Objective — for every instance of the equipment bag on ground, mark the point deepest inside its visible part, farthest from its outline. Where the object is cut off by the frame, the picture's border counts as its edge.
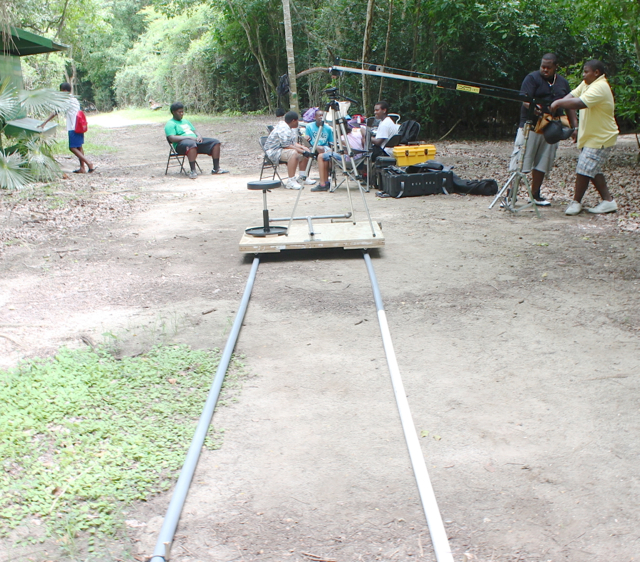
(397, 183)
(458, 185)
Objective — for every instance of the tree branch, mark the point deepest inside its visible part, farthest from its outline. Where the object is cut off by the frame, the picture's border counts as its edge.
(312, 71)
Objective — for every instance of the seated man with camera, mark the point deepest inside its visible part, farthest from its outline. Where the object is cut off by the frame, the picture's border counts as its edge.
(282, 146)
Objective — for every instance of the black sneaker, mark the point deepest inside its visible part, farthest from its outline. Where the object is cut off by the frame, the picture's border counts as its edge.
(321, 187)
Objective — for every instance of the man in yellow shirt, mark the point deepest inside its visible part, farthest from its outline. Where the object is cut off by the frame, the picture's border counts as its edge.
(597, 135)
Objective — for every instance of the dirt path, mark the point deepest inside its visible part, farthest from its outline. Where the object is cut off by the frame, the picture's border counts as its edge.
(517, 339)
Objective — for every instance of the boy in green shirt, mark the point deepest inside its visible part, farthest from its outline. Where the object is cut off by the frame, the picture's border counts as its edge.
(182, 134)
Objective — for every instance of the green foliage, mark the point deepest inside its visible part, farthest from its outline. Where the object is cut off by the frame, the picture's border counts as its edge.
(14, 171)
(83, 434)
(181, 58)
(227, 55)
(611, 30)
(39, 153)
(43, 71)
(29, 159)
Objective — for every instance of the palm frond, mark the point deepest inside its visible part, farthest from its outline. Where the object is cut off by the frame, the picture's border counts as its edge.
(9, 101)
(13, 171)
(44, 100)
(41, 162)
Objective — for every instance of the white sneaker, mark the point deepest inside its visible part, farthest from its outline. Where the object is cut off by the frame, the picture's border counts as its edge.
(573, 209)
(291, 183)
(305, 181)
(604, 207)
(542, 202)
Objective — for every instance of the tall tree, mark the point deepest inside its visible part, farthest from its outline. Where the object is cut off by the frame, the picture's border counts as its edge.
(366, 53)
(291, 60)
(386, 45)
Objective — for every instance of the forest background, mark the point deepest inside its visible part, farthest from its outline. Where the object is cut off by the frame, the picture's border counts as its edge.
(228, 55)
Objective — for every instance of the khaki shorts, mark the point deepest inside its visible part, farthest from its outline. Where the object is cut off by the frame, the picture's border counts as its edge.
(287, 153)
(539, 155)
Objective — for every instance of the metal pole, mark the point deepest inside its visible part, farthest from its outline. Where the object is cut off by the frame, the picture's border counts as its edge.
(314, 217)
(437, 531)
(167, 532)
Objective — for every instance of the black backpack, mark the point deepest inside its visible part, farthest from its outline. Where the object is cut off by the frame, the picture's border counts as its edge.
(408, 132)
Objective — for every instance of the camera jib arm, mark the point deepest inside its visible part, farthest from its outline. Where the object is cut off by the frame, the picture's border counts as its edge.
(443, 82)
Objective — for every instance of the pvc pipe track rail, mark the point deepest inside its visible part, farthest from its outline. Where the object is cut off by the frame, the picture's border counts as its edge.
(427, 496)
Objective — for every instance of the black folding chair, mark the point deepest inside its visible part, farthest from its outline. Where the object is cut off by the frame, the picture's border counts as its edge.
(174, 160)
(266, 161)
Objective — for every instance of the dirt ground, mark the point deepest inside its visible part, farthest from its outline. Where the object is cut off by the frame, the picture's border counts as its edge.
(517, 339)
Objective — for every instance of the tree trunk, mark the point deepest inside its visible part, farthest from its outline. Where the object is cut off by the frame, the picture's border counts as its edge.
(414, 52)
(291, 61)
(386, 46)
(5, 22)
(366, 53)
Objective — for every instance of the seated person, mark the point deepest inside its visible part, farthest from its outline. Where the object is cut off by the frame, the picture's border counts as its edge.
(325, 132)
(354, 135)
(282, 146)
(182, 134)
(386, 130)
(355, 141)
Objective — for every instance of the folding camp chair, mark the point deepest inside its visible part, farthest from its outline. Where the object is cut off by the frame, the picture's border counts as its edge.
(359, 158)
(174, 160)
(266, 161)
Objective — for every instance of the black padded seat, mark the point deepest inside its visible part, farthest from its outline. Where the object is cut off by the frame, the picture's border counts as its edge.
(266, 229)
(263, 185)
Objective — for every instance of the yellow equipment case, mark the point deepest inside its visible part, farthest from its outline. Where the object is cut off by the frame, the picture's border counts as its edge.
(409, 154)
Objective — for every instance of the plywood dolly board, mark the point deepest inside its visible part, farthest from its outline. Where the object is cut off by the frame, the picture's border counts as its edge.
(326, 235)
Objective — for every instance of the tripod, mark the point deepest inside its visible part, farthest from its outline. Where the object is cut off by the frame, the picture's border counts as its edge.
(509, 191)
(343, 150)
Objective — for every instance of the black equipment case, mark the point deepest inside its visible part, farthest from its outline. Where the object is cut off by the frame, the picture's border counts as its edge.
(380, 164)
(397, 183)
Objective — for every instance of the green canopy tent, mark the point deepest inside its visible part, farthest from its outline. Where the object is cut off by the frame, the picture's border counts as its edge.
(21, 43)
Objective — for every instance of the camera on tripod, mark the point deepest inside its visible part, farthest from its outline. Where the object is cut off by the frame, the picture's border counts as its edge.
(332, 93)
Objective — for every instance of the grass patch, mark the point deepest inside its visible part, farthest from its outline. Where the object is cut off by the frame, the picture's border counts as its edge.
(162, 116)
(61, 148)
(83, 434)
(97, 149)
(143, 114)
